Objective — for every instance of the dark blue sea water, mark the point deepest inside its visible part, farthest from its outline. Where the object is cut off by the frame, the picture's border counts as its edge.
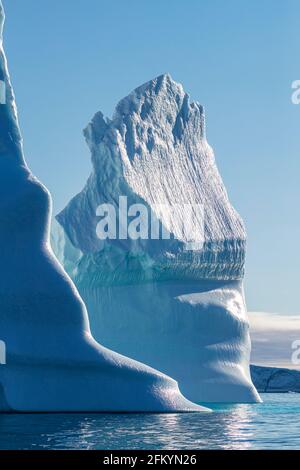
(274, 424)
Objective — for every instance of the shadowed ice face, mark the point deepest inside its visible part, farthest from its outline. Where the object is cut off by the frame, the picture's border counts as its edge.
(10, 137)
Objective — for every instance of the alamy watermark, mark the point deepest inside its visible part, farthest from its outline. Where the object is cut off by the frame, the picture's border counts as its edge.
(183, 222)
(2, 92)
(296, 93)
(295, 358)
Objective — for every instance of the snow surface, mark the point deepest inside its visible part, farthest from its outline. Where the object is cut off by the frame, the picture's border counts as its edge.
(179, 310)
(53, 362)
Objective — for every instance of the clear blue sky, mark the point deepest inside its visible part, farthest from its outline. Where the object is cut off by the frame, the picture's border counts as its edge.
(71, 58)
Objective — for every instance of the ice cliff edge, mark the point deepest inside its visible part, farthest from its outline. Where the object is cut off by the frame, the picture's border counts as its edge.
(174, 302)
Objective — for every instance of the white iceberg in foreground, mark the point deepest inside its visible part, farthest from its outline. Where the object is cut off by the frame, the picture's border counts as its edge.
(53, 363)
(176, 304)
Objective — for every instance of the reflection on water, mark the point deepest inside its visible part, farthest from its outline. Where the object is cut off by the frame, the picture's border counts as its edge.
(273, 424)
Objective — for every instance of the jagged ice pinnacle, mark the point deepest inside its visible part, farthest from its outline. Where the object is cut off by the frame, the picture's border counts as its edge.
(178, 309)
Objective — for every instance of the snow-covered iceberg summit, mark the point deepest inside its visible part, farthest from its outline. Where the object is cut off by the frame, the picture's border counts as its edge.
(175, 302)
(52, 361)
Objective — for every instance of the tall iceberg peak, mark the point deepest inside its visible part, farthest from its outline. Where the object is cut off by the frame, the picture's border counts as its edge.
(162, 103)
(155, 152)
(52, 361)
(176, 302)
(11, 140)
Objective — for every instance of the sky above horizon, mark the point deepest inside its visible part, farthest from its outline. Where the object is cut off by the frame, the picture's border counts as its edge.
(70, 59)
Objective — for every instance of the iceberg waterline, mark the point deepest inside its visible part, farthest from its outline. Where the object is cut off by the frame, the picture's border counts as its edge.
(52, 361)
(179, 310)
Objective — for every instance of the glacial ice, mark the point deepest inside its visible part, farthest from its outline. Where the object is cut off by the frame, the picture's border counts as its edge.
(52, 361)
(275, 379)
(176, 304)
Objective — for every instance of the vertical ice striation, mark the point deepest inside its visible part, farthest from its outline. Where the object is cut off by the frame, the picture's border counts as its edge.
(175, 304)
(52, 361)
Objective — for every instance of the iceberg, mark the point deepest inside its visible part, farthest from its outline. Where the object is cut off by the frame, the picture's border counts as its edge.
(161, 275)
(52, 361)
(275, 379)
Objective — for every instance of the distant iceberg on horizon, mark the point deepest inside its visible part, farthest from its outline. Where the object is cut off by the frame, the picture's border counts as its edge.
(53, 364)
(175, 303)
